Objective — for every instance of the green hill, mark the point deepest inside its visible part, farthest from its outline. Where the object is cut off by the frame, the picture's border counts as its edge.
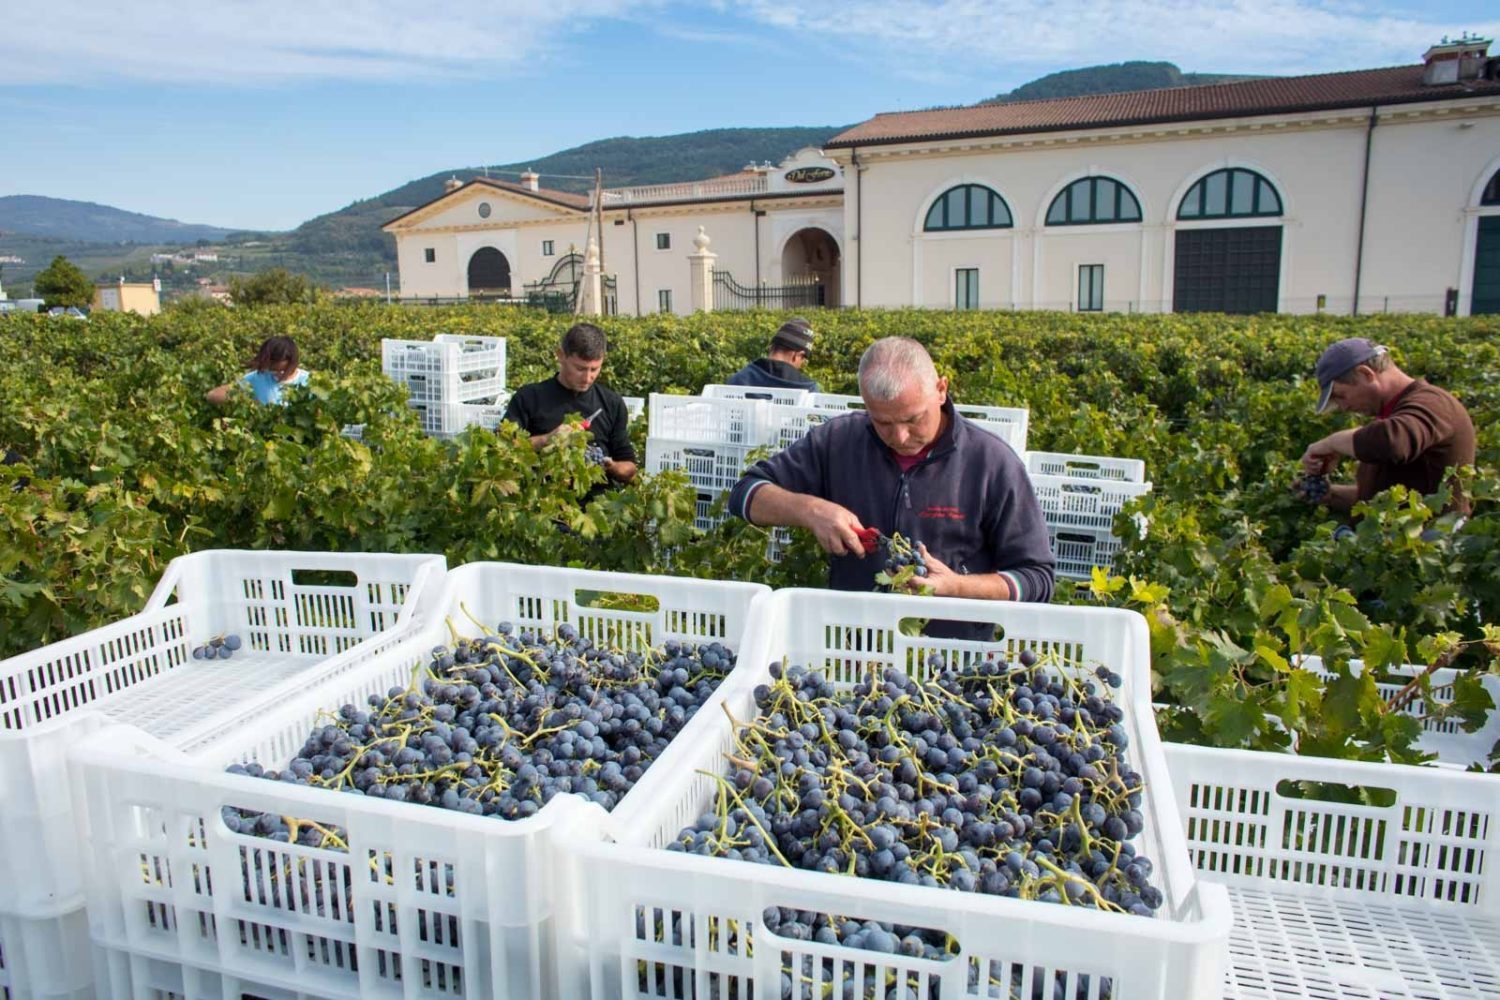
(1113, 79)
(63, 219)
(626, 161)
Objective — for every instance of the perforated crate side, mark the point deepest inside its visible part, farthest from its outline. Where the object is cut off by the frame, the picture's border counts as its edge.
(1069, 502)
(1346, 878)
(711, 468)
(771, 394)
(739, 422)
(1051, 463)
(1444, 737)
(301, 616)
(654, 923)
(1079, 550)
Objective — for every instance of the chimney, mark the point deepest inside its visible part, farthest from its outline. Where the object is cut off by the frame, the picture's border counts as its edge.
(529, 179)
(452, 184)
(1456, 61)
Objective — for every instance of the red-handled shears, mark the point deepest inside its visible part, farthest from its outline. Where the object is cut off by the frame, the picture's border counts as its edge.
(869, 538)
(590, 418)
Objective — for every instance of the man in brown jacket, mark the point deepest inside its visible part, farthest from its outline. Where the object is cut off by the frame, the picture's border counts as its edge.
(1419, 433)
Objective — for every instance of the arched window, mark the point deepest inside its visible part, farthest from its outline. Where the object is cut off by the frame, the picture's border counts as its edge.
(1233, 192)
(1491, 194)
(1093, 200)
(968, 206)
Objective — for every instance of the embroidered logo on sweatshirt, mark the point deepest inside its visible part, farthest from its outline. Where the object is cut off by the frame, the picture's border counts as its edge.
(943, 513)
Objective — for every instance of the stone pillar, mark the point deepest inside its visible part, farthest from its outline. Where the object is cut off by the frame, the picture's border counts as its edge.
(590, 295)
(701, 265)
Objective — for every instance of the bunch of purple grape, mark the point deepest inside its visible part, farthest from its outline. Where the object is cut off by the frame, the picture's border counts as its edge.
(595, 453)
(220, 647)
(1311, 489)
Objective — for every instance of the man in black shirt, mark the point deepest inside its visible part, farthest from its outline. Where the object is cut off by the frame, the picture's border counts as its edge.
(541, 407)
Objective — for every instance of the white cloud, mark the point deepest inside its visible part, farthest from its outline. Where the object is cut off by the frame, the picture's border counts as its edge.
(272, 41)
(1017, 39)
(279, 41)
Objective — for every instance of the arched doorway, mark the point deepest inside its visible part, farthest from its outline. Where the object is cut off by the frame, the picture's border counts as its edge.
(489, 274)
(812, 254)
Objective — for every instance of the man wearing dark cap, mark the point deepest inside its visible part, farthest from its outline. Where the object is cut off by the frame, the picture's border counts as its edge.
(782, 369)
(1419, 433)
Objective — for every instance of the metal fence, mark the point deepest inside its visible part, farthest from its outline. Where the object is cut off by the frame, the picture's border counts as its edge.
(795, 294)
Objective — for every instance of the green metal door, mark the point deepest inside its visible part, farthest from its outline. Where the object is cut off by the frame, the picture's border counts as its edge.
(1487, 267)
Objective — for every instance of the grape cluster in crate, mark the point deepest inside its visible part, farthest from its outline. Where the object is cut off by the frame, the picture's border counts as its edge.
(997, 779)
(500, 724)
(220, 647)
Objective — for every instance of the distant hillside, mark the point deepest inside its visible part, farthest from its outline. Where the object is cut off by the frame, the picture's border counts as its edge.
(59, 218)
(1114, 79)
(626, 160)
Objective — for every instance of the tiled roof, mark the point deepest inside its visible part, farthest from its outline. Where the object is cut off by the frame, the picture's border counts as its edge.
(568, 198)
(1277, 95)
(565, 199)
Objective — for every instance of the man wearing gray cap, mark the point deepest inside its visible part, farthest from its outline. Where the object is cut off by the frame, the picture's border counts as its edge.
(782, 368)
(1419, 433)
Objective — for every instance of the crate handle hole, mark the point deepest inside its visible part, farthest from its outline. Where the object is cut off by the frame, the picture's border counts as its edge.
(617, 600)
(325, 578)
(1330, 791)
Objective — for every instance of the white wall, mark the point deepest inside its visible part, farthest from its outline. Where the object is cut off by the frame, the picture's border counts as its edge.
(1419, 230)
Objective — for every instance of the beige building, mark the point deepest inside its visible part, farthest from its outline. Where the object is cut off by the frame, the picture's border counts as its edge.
(143, 298)
(769, 226)
(1365, 191)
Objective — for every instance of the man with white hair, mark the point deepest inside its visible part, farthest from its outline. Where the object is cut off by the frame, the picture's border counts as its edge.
(909, 463)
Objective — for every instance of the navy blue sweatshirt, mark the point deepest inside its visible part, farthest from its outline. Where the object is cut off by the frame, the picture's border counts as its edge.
(764, 373)
(969, 500)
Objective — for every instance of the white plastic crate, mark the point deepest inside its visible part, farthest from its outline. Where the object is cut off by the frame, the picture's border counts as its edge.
(125, 975)
(790, 424)
(447, 369)
(1009, 423)
(46, 958)
(1394, 895)
(720, 947)
(467, 904)
(635, 406)
(299, 615)
(739, 422)
(446, 420)
(1080, 515)
(1079, 550)
(1072, 502)
(1447, 739)
(711, 468)
(1052, 463)
(771, 394)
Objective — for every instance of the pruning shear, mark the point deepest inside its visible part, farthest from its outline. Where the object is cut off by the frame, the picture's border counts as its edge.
(590, 418)
(869, 538)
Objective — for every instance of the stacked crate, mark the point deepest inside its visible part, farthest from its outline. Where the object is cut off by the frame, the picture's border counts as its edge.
(453, 382)
(710, 438)
(302, 617)
(1080, 496)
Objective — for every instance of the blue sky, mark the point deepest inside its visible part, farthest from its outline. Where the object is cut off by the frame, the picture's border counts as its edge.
(262, 114)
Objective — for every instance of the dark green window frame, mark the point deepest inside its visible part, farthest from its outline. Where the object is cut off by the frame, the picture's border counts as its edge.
(1094, 201)
(968, 206)
(1491, 194)
(1230, 193)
